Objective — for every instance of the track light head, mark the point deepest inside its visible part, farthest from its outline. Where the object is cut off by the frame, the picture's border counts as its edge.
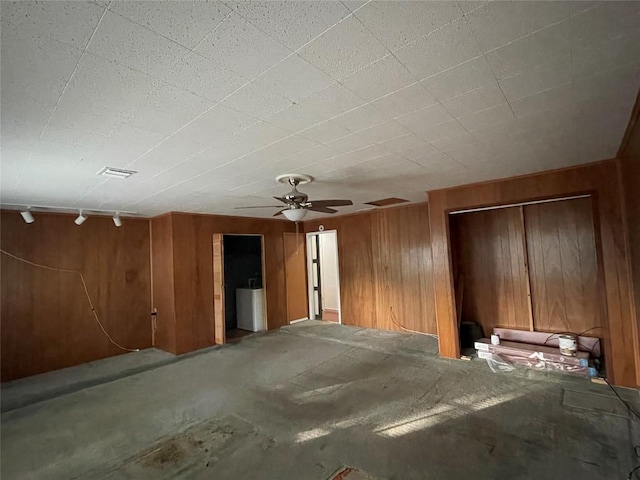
(117, 221)
(81, 219)
(27, 216)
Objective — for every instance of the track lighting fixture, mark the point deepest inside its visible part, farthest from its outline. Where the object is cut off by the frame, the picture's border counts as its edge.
(27, 216)
(117, 221)
(81, 219)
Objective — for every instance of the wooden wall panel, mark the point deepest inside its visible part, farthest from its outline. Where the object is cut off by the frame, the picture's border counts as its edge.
(355, 258)
(193, 272)
(600, 180)
(563, 266)
(629, 175)
(296, 276)
(164, 336)
(385, 261)
(46, 320)
(490, 258)
(402, 263)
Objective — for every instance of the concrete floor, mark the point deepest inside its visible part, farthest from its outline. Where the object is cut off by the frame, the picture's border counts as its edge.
(305, 401)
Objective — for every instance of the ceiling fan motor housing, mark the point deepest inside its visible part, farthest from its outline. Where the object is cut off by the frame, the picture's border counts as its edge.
(296, 197)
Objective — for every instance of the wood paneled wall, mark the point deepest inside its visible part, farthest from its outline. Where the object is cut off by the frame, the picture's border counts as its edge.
(629, 174)
(385, 263)
(163, 291)
(489, 256)
(355, 259)
(191, 240)
(46, 320)
(531, 267)
(563, 267)
(402, 265)
(601, 181)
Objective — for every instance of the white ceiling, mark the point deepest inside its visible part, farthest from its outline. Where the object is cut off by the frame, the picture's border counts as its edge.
(209, 101)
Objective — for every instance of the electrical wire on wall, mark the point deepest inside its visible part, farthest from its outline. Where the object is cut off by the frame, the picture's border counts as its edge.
(86, 291)
(401, 327)
(576, 334)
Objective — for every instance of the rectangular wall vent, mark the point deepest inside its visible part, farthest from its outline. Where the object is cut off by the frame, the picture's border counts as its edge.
(385, 202)
(112, 172)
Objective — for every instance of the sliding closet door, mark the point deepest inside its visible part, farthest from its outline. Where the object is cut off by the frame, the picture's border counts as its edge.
(563, 266)
(489, 264)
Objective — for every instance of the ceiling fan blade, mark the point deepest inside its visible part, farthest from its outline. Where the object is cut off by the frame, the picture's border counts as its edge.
(279, 212)
(259, 206)
(322, 209)
(283, 200)
(330, 203)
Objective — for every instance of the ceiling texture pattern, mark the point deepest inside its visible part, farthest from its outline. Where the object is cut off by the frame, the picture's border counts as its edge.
(209, 101)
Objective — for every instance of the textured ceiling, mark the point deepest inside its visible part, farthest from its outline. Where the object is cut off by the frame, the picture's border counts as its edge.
(209, 101)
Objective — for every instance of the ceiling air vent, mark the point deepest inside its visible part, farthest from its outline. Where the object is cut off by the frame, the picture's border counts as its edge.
(385, 202)
(115, 172)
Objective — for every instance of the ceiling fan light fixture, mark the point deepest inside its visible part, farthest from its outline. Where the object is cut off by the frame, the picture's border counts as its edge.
(295, 214)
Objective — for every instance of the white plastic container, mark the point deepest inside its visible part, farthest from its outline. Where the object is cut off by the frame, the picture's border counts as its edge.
(249, 309)
(495, 339)
(568, 345)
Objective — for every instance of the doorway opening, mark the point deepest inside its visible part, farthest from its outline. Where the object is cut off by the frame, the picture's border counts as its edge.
(323, 276)
(239, 300)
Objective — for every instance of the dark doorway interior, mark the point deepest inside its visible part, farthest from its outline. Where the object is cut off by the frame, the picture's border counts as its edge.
(242, 270)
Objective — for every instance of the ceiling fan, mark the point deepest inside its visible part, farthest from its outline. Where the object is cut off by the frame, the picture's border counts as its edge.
(297, 203)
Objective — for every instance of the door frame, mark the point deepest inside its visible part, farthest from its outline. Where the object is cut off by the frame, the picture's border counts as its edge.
(286, 276)
(218, 285)
(310, 271)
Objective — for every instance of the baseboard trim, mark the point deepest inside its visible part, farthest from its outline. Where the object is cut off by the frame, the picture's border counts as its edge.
(298, 320)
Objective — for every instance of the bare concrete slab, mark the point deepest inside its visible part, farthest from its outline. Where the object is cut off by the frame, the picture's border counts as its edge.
(37, 388)
(295, 404)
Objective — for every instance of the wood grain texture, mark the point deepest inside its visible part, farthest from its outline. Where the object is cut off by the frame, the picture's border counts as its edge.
(193, 273)
(219, 324)
(295, 276)
(563, 266)
(402, 265)
(385, 261)
(162, 282)
(355, 259)
(629, 175)
(526, 268)
(599, 180)
(489, 254)
(46, 320)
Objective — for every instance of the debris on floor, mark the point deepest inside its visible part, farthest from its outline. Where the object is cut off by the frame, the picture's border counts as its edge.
(538, 357)
(350, 473)
(584, 344)
(195, 449)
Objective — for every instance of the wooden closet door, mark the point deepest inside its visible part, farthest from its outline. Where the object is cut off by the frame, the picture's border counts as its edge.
(563, 266)
(489, 262)
(295, 276)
